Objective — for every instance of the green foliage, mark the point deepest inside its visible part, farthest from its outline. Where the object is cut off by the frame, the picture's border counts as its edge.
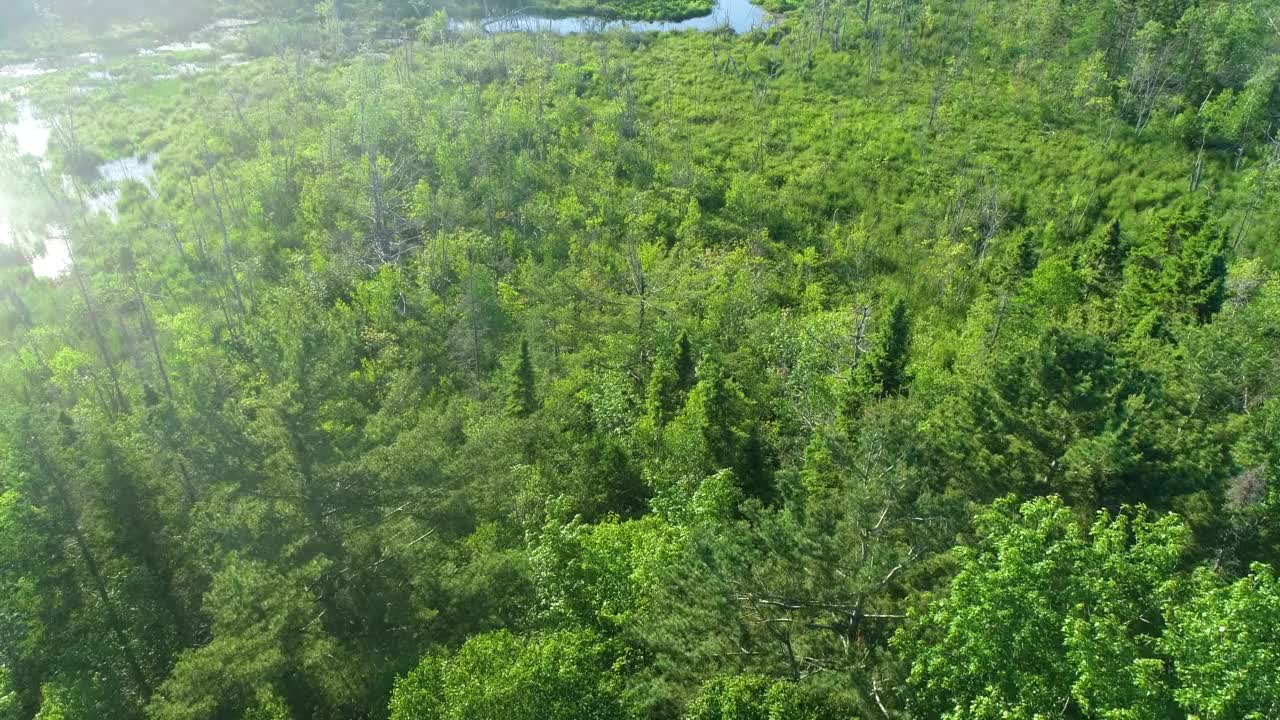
(1223, 642)
(641, 375)
(269, 648)
(1071, 415)
(602, 575)
(670, 381)
(522, 400)
(556, 676)
(8, 701)
(882, 372)
(1180, 270)
(1041, 615)
(753, 697)
(1102, 258)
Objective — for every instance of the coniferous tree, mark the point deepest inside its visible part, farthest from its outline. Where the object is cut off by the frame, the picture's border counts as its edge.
(720, 402)
(1102, 260)
(685, 370)
(819, 474)
(1177, 274)
(670, 382)
(1196, 277)
(882, 371)
(521, 397)
(662, 399)
(1019, 260)
(260, 479)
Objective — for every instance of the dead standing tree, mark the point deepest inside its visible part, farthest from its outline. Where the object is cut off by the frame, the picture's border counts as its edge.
(1154, 71)
(118, 403)
(825, 599)
(226, 247)
(1264, 185)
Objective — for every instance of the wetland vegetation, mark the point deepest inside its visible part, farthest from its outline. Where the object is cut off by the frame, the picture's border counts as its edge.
(885, 359)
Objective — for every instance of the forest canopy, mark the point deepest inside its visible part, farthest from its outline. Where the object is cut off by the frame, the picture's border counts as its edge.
(887, 360)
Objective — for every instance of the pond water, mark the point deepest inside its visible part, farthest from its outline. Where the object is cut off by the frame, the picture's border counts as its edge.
(46, 245)
(30, 135)
(18, 71)
(178, 47)
(181, 70)
(36, 68)
(56, 258)
(741, 16)
(226, 25)
(116, 173)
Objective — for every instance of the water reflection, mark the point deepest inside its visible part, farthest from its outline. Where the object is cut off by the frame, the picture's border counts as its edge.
(116, 173)
(19, 71)
(47, 242)
(48, 250)
(36, 68)
(228, 24)
(55, 261)
(738, 15)
(178, 47)
(30, 133)
(180, 70)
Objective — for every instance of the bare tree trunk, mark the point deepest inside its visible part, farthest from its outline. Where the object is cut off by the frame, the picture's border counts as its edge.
(473, 310)
(149, 329)
(641, 286)
(226, 248)
(1198, 168)
(1260, 191)
(860, 336)
(935, 99)
(995, 330)
(195, 226)
(94, 570)
(119, 405)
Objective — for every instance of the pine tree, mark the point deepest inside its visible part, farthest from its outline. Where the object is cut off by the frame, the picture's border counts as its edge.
(1102, 260)
(721, 403)
(752, 467)
(818, 474)
(521, 400)
(1179, 271)
(684, 365)
(1196, 277)
(883, 372)
(1019, 260)
(662, 399)
(670, 382)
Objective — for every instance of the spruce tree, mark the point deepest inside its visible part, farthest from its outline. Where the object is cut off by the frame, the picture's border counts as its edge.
(721, 407)
(1179, 271)
(1197, 277)
(670, 382)
(684, 365)
(1102, 259)
(521, 399)
(883, 371)
(818, 474)
(662, 399)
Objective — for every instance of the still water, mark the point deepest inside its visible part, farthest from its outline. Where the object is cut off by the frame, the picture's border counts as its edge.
(738, 15)
(46, 242)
